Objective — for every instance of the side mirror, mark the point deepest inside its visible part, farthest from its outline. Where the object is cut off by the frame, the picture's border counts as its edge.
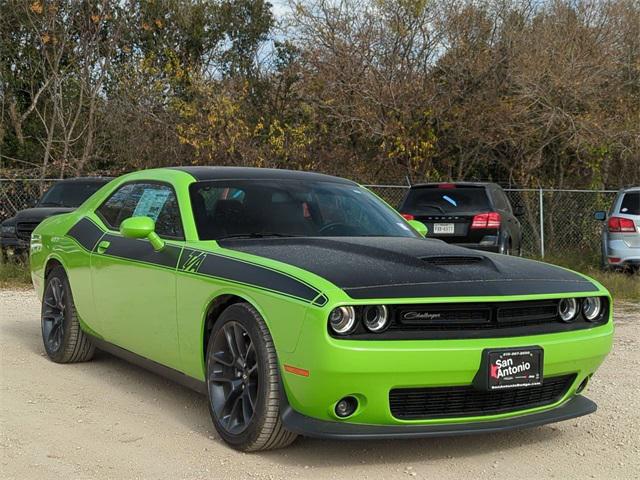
(142, 227)
(518, 211)
(419, 227)
(600, 215)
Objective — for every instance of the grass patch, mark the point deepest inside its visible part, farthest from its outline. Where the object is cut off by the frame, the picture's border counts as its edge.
(623, 286)
(14, 274)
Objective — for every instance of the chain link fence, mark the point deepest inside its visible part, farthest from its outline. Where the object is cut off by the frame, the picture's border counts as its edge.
(19, 193)
(554, 221)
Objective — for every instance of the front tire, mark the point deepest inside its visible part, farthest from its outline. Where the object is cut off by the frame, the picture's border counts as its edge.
(63, 339)
(243, 382)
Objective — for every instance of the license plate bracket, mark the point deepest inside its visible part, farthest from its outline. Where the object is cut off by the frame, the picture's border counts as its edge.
(506, 368)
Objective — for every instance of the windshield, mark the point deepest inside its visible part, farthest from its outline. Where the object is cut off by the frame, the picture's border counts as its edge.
(259, 208)
(69, 194)
(446, 200)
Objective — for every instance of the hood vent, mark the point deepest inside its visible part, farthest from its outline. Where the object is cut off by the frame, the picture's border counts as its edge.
(452, 260)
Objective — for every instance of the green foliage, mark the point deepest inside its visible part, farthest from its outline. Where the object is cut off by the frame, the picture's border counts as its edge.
(522, 94)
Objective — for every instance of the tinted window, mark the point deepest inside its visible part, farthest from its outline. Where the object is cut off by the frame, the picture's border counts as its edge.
(69, 194)
(446, 200)
(155, 201)
(630, 203)
(500, 200)
(291, 208)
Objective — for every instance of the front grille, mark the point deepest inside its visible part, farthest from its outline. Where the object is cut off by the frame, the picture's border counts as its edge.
(25, 229)
(466, 401)
(474, 316)
(435, 321)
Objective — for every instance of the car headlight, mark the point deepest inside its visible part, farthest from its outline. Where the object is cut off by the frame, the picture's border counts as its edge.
(568, 309)
(591, 308)
(342, 320)
(8, 229)
(375, 318)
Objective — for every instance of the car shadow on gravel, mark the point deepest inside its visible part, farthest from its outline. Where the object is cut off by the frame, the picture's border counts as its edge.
(328, 453)
(190, 409)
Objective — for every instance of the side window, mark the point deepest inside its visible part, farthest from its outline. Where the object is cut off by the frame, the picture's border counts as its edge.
(501, 201)
(155, 201)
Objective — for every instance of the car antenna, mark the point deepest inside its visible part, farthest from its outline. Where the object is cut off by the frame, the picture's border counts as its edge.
(408, 179)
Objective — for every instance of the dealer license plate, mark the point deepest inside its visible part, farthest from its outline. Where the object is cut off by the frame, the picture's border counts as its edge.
(443, 228)
(514, 368)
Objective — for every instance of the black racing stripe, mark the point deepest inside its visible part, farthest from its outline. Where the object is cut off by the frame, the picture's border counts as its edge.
(236, 270)
(141, 251)
(86, 233)
(472, 289)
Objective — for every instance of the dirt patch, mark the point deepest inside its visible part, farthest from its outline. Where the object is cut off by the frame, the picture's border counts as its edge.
(108, 419)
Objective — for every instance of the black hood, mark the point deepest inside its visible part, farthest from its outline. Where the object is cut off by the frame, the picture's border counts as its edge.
(395, 267)
(38, 214)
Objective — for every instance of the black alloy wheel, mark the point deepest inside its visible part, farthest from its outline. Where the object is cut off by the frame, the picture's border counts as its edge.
(53, 315)
(243, 381)
(63, 338)
(233, 378)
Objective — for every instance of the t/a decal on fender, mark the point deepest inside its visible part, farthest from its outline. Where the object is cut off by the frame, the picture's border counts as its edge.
(235, 270)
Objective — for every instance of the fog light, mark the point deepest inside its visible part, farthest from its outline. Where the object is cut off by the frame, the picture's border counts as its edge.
(568, 308)
(375, 318)
(591, 308)
(346, 407)
(342, 320)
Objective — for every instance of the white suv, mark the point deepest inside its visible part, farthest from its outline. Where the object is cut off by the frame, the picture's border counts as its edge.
(621, 234)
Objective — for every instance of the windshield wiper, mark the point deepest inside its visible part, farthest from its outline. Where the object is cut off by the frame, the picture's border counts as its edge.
(258, 235)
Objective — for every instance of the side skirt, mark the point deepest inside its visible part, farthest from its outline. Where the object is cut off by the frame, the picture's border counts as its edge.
(154, 367)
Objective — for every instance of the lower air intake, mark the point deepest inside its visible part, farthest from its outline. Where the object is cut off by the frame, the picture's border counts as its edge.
(466, 401)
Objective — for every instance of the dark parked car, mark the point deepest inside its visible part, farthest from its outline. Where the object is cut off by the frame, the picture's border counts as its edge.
(63, 197)
(473, 215)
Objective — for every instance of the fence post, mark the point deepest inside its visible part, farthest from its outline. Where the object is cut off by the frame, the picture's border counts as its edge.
(541, 201)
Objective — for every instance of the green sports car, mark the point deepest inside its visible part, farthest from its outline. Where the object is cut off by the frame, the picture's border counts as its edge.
(301, 303)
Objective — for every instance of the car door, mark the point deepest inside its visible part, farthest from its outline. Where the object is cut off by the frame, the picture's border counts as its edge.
(134, 286)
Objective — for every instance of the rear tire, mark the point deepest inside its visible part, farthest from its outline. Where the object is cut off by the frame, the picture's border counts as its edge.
(243, 382)
(63, 339)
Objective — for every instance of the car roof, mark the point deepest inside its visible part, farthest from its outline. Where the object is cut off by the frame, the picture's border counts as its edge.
(456, 184)
(244, 173)
(629, 189)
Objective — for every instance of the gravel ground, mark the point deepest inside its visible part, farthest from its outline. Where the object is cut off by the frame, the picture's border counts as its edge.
(108, 419)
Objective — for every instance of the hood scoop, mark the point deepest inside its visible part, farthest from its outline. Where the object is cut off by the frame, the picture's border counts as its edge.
(446, 260)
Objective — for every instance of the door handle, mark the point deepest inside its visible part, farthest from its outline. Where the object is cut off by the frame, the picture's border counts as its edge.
(103, 245)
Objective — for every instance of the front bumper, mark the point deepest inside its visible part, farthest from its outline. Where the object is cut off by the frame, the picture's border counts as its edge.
(12, 246)
(370, 369)
(310, 427)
